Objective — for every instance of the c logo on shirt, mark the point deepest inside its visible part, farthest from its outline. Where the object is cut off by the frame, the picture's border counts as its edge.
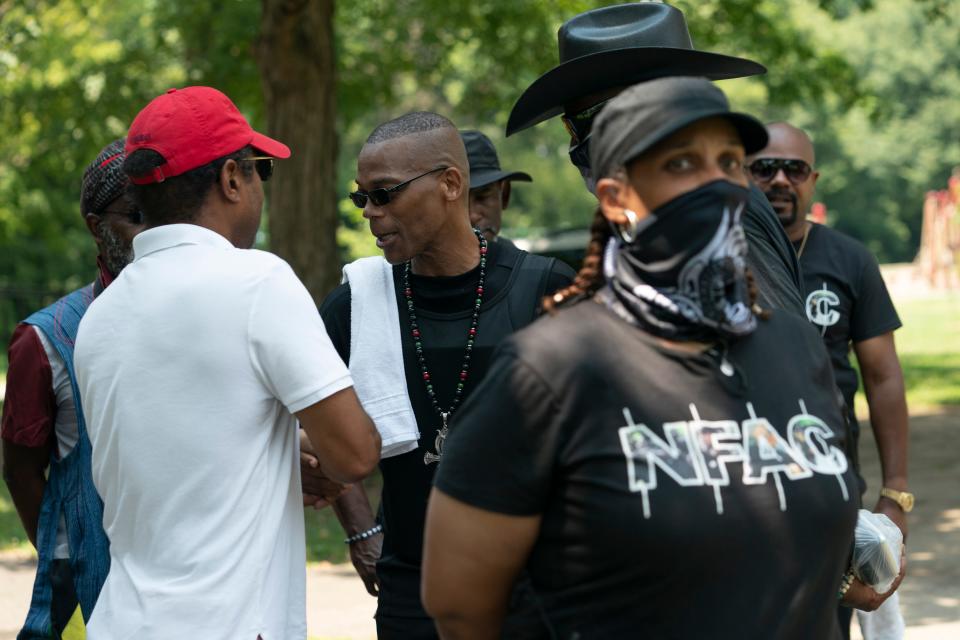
(820, 309)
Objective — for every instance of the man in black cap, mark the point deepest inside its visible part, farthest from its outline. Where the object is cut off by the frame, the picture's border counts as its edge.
(489, 185)
(605, 50)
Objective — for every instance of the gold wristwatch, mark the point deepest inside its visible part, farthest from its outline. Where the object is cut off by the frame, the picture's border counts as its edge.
(902, 498)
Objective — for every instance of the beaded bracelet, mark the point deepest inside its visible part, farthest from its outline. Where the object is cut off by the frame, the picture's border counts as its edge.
(845, 584)
(363, 535)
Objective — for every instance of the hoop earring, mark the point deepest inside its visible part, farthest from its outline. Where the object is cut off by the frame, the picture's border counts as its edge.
(628, 231)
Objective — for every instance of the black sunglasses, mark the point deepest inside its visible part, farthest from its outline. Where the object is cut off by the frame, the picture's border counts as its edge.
(263, 165)
(765, 169)
(381, 196)
(578, 126)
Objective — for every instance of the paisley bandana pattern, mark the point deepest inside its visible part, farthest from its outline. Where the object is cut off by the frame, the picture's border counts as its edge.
(683, 277)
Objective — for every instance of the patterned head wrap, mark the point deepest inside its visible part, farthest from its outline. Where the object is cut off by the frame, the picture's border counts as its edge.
(104, 180)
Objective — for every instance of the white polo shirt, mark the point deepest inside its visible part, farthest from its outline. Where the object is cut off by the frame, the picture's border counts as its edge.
(189, 366)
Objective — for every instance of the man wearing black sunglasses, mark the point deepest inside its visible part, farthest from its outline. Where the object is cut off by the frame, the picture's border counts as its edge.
(846, 299)
(602, 52)
(418, 328)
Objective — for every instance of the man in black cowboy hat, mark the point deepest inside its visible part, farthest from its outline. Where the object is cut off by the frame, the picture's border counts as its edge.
(602, 52)
(489, 184)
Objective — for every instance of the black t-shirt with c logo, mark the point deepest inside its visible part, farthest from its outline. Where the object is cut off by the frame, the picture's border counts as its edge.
(845, 299)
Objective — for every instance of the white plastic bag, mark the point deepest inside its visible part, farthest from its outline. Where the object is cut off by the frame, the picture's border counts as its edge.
(886, 623)
(876, 550)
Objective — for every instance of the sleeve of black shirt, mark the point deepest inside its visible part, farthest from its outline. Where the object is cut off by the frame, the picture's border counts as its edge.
(873, 312)
(335, 311)
(561, 276)
(771, 257)
(500, 453)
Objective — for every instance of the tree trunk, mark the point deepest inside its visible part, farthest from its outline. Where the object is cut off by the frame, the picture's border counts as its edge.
(295, 53)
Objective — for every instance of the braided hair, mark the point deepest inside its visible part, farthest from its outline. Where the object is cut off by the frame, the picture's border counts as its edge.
(590, 277)
(104, 180)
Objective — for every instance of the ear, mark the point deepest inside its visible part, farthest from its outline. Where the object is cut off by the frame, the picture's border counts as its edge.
(453, 183)
(230, 178)
(613, 199)
(504, 194)
(93, 225)
(814, 176)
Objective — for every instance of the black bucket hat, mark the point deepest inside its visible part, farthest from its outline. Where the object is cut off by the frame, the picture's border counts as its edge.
(618, 46)
(647, 113)
(484, 164)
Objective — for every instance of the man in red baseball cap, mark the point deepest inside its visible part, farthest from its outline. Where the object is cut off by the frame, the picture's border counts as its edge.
(193, 399)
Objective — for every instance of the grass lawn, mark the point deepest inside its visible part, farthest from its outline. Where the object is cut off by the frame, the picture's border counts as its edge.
(929, 348)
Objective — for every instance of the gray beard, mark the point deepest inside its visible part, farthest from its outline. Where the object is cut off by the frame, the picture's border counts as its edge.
(116, 255)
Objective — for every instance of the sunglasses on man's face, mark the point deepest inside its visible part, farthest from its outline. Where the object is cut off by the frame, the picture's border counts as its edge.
(765, 169)
(578, 126)
(263, 165)
(382, 196)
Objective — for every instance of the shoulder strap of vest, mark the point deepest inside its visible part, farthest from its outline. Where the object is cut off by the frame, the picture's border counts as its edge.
(530, 283)
(60, 321)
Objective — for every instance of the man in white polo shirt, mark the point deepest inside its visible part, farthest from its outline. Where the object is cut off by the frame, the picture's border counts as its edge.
(193, 368)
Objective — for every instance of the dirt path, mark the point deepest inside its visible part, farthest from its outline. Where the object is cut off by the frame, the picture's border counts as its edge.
(338, 607)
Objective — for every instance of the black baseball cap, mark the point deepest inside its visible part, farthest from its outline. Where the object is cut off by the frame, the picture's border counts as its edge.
(484, 164)
(647, 113)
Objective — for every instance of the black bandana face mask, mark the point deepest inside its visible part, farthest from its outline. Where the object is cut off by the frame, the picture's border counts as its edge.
(683, 275)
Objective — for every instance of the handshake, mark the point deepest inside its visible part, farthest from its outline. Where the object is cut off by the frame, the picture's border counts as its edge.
(319, 491)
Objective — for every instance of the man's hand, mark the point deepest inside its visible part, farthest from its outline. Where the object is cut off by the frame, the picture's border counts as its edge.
(364, 555)
(862, 597)
(892, 510)
(318, 490)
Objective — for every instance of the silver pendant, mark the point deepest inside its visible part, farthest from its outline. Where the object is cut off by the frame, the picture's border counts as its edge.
(438, 443)
(726, 368)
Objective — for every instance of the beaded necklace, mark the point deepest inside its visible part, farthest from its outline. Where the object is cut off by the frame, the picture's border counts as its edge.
(429, 457)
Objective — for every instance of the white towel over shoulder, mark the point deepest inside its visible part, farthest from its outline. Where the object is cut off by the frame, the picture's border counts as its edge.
(376, 354)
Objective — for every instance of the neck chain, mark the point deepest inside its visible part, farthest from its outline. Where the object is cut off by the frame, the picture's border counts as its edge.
(464, 368)
(803, 243)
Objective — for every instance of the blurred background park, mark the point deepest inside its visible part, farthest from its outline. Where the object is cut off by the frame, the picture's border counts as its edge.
(875, 82)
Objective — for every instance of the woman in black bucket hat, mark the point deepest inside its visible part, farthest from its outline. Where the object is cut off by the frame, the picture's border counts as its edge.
(664, 458)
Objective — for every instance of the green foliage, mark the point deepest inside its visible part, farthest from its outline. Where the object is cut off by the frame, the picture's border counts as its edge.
(879, 157)
(929, 348)
(73, 73)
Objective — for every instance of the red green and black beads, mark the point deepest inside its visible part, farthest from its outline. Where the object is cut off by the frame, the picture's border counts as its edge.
(471, 332)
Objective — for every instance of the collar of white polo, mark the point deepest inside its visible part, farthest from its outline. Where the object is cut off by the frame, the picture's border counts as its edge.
(171, 235)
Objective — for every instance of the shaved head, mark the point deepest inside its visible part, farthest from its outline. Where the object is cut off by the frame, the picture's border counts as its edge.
(790, 195)
(420, 141)
(788, 141)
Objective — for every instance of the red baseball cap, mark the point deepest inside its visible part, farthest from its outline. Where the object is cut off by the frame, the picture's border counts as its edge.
(191, 127)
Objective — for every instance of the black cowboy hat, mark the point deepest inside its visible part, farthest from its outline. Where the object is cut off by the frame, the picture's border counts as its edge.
(620, 46)
(484, 164)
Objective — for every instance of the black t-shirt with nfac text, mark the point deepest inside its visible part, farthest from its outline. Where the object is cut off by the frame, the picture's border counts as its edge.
(444, 306)
(845, 298)
(680, 497)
